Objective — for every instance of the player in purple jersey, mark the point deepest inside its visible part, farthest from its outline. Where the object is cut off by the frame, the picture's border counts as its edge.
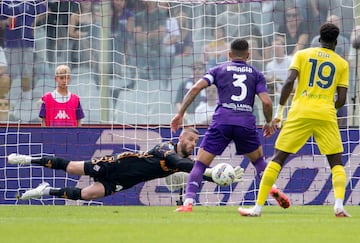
(233, 120)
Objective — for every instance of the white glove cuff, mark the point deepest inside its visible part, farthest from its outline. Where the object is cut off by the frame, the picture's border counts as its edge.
(208, 172)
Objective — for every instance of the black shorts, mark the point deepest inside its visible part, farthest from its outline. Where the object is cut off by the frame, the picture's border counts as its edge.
(105, 173)
(123, 171)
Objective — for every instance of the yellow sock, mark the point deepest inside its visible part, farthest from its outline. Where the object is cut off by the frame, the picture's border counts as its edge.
(267, 181)
(339, 181)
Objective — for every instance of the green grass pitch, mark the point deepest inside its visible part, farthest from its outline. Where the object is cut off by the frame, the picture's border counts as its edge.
(144, 224)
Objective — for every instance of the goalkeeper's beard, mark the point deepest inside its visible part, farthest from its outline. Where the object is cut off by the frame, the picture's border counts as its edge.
(184, 151)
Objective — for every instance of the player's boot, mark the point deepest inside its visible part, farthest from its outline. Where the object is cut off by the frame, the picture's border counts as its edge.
(280, 197)
(19, 159)
(184, 209)
(249, 212)
(36, 192)
(341, 213)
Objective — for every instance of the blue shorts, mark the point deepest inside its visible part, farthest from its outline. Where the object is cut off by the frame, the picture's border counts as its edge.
(218, 137)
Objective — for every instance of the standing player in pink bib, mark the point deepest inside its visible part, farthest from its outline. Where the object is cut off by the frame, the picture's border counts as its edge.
(61, 107)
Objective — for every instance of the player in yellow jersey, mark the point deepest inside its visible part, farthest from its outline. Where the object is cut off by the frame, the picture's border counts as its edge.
(321, 75)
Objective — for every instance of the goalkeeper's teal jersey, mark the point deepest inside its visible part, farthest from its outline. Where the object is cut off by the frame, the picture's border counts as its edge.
(321, 71)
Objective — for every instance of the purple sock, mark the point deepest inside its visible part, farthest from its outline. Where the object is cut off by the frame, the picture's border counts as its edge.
(260, 166)
(195, 179)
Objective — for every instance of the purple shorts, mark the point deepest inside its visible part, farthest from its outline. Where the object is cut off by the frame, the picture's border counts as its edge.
(218, 137)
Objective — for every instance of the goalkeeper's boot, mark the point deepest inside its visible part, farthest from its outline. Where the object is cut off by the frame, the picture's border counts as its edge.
(19, 159)
(36, 192)
(249, 212)
(280, 197)
(341, 213)
(184, 209)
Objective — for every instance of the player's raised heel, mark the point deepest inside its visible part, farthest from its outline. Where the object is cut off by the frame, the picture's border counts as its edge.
(184, 209)
(19, 159)
(280, 197)
(341, 213)
(248, 212)
(35, 193)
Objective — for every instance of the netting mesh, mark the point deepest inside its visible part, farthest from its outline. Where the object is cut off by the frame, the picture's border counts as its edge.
(132, 66)
(127, 68)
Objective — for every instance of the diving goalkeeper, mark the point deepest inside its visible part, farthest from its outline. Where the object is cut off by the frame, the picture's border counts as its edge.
(118, 172)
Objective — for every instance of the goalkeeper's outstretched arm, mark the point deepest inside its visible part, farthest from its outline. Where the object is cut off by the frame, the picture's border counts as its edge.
(186, 165)
(178, 180)
(239, 174)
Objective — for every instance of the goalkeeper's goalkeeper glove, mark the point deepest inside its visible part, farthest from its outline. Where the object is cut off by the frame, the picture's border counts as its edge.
(208, 172)
(176, 181)
(239, 174)
(279, 115)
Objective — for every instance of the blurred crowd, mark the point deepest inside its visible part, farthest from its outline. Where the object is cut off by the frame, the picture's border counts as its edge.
(141, 46)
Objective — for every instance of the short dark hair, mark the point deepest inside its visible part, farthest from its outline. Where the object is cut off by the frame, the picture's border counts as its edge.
(239, 45)
(329, 32)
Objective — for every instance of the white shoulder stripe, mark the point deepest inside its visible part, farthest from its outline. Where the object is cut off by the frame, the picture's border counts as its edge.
(209, 77)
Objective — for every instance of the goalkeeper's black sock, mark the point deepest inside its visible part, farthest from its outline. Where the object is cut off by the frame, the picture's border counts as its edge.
(72, 193)
(52, 162)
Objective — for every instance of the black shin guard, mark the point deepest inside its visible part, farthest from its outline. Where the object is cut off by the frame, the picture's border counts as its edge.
(55, 163)
(72, 193)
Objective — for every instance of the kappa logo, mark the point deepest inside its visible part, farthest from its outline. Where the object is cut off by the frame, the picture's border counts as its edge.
(62, 115)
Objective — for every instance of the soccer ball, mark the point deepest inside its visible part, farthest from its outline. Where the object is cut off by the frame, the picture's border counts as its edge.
(223, 174)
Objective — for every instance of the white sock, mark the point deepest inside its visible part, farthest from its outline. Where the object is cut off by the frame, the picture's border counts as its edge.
(47, 191)
(257, 208)
(28, 159)
(188, 201)
(339, 203)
